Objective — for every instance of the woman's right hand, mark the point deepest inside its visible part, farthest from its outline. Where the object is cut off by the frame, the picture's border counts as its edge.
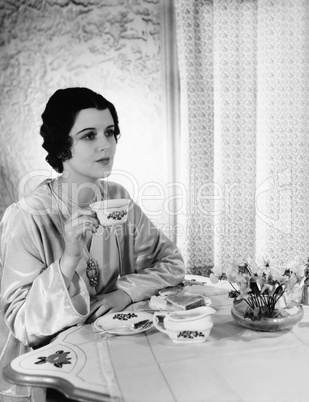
(75, 229)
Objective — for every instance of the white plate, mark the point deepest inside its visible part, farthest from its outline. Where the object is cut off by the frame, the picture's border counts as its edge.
(113, 323)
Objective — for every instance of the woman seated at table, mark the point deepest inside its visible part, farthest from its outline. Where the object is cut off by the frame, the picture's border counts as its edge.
(59, 267)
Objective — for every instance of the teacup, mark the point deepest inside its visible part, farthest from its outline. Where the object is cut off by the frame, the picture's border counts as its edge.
(186, 326)
(111, 212)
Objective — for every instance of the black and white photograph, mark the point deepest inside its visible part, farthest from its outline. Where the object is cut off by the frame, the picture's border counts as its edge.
(154, 200)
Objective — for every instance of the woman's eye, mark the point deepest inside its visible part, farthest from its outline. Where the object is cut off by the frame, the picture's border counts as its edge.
(110, 133)
(89, 136)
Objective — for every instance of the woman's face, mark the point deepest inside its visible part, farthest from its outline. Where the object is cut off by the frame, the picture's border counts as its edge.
(93, 148)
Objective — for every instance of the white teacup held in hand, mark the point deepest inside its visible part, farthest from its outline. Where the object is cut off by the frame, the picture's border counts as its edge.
(111, 212)
(188, 326)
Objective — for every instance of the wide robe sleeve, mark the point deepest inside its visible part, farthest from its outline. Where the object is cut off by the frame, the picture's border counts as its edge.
(150, 260)
(36, 304)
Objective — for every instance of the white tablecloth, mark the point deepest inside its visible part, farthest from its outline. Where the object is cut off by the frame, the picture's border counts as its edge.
(234, 364)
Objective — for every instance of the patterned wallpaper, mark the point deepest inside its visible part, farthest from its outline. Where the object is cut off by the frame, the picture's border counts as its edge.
(110, 46)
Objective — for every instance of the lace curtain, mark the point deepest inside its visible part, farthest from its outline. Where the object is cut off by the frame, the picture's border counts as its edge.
(244, 167)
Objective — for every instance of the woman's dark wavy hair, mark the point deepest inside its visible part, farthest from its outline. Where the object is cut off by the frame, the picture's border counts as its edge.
(59, 117)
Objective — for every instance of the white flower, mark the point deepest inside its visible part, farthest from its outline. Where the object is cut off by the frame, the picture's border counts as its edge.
(297, 266)
(217, 271)
(213, 278)
(255, 268)
(276, 274)
(232, 272)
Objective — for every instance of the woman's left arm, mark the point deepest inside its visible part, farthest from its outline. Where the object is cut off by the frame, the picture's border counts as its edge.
(151, 260)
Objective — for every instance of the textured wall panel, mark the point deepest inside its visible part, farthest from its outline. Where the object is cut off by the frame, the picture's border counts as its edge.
(113, 47)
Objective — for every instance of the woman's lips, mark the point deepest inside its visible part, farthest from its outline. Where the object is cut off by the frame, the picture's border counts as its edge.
(104, 161)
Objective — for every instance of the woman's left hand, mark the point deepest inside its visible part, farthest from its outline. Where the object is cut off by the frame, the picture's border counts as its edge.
(108, 303)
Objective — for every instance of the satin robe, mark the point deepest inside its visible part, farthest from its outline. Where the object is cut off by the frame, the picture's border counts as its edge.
(35, 303)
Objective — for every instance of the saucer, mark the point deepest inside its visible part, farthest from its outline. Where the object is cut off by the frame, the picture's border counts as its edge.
(114, 323)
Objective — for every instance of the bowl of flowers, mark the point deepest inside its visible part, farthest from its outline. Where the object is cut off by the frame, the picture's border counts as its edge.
(266, 297)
